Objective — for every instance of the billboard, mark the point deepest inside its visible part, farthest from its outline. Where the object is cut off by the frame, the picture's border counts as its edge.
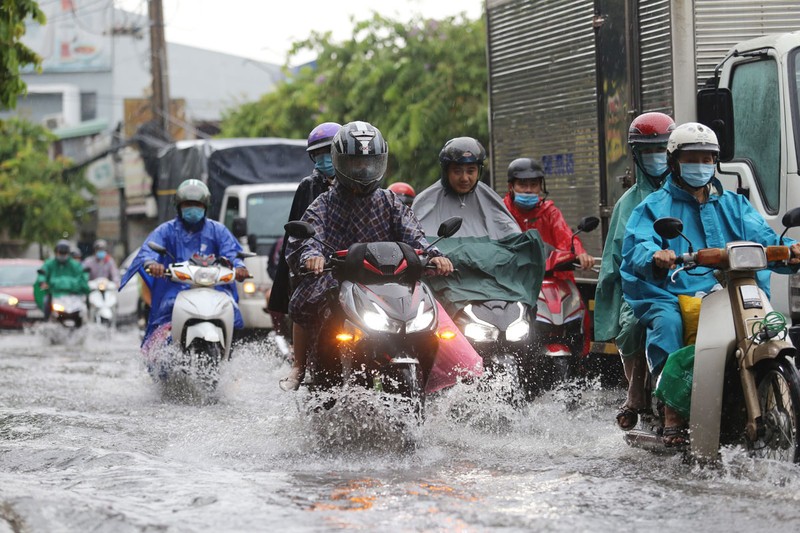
(75, 38)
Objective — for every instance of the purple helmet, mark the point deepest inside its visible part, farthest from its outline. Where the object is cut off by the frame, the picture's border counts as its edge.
(322, 135)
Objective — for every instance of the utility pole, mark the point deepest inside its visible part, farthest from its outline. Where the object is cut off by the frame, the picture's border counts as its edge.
(158, 67)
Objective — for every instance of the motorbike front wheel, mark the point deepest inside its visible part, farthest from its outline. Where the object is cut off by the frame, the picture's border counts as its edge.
(406, 380)
(207, 356)
(779, 397)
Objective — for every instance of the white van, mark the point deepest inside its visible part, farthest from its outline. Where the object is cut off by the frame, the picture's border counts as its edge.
(264, 208)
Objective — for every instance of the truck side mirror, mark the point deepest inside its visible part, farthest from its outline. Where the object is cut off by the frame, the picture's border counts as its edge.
(715, 110)
(239, 228)
(252, 242)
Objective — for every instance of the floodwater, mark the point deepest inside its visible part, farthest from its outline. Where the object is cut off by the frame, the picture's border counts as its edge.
(89, 443)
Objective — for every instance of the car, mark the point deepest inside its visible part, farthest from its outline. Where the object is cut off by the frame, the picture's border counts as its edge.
(17, 306)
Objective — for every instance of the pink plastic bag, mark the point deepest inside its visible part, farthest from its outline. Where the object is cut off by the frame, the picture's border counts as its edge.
(455, 358)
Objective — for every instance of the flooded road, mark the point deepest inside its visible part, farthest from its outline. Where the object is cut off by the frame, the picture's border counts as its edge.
(87, 443)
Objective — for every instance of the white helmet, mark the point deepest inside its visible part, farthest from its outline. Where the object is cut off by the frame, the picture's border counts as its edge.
(692, 136)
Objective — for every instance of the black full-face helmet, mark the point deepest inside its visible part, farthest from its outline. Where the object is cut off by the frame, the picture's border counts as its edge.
(360, 156)
(461, 150)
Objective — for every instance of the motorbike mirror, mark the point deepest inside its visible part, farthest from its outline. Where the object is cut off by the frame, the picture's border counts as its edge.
(157, 248)
(588, 224)
(449, 227)
(668, 227)
(790, 220)
(239, 227)
(40, 271)
(299, 229)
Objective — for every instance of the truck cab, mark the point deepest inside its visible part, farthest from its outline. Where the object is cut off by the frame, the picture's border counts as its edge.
(754, 106)
(256, 214)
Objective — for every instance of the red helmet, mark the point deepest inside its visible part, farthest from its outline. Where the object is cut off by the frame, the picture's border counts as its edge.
(404, 191)
(651, 128)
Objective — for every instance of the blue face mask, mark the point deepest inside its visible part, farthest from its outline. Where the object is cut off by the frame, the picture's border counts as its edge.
(654, 164)
(324, 163)
(192, 215)
(696, 174)
(526, 201)
(101, 254)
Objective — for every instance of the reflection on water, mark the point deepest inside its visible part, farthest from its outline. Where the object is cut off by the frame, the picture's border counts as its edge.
(88, 443)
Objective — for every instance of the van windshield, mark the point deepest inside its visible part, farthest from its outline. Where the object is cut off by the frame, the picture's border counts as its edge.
(267, 213)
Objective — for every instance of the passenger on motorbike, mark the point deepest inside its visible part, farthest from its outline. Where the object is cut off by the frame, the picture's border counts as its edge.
(188, 233)
(404, 191)
(320, 181)
(59, 275)
(459, 192)
(101, 264)
(527, 201)
(613, 317)
(354, 210)
(711, 217)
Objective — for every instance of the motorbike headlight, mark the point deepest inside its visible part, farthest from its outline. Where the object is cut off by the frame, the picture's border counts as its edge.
(58, 308)
(747, 257)
(422, 321)
(518, 330)
(481, 332)
(7, 299)
(205, 276)
(378, 320)
(248, 287)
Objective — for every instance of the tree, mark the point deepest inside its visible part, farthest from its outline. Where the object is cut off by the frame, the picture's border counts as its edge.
(420, 83)
(13, 54)
(39, 203)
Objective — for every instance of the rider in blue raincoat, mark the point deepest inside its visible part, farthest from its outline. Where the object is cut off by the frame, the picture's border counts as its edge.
(711, 219)
(188, 233)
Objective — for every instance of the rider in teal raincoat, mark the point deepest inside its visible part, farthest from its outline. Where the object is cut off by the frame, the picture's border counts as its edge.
(613, 317)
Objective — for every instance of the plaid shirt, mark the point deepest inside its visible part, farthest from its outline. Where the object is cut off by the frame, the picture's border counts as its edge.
(341, 219)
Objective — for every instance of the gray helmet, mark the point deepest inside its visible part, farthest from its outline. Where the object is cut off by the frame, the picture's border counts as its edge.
(360, 156)
(193, 191)
(63, 247)
(100, 244)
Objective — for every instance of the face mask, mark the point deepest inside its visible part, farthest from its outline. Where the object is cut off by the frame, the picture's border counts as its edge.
(324, 163)
(526, 201)
(696, 174)
(101, 254)
(62, 258)
(654, 164)
(192, 215)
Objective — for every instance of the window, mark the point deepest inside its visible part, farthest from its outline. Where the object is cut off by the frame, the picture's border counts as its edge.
(268, 212)
(231, 211)
(757, 125)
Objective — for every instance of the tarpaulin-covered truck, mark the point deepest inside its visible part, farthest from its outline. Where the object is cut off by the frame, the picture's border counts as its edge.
(566, 77)
(252, 184)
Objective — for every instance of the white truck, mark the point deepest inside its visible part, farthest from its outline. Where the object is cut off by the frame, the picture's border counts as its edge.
(252, 183)
(568, 76)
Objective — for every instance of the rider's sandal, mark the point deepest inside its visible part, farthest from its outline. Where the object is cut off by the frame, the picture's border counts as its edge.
(627, 418)
(675, 436)
(290, 383)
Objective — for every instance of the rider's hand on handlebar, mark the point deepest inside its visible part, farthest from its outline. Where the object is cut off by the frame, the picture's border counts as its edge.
(586, 261)
(795, 253)
(443, 266)
(155, 269)
(315, 264)
(664, 259)
(242, 274)
(44, 286)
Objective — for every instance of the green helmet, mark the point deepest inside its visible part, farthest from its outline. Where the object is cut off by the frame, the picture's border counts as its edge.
(193, 191)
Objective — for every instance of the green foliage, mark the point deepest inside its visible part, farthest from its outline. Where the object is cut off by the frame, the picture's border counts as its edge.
(38, 203)
(13, 54)
(420, 83)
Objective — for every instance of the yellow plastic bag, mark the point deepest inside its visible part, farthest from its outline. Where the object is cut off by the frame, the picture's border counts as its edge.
(690, 314)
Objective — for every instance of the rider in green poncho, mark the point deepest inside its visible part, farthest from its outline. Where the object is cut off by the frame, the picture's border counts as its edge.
(59, 275)
(613, 317)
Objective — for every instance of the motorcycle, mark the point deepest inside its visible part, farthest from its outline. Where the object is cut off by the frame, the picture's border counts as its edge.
(380, 332)
(202, 318)
(103, 302)
(745, 389)
(562, 336)
(69, 310)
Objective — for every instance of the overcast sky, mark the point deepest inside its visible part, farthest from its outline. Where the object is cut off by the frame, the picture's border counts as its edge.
(265, 29)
